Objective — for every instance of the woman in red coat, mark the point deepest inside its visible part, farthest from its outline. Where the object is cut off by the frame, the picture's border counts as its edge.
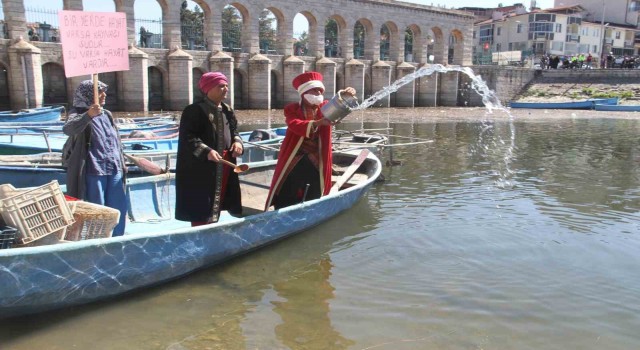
(303, 171)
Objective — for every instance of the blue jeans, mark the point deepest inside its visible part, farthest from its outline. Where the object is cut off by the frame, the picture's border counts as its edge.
(108, 190)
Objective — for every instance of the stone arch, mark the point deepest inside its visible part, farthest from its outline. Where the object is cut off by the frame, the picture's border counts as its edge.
(240, 89)
(392, 42)
(368, 89)
(54, 84)
(156, 88)
(415, 51)
(277, 95)
(193, 36)
(279, 46)
(339, 80)
(456, 45)
(155, 28)
(438, 45)
(235, 39)
(196, 73)
(364, 43)
(338, 45)
(5, 91)
(312, 35)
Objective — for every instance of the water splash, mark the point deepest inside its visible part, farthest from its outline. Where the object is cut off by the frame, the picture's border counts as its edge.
(490, 101)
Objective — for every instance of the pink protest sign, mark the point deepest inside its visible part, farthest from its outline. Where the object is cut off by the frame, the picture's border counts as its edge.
(93, 42)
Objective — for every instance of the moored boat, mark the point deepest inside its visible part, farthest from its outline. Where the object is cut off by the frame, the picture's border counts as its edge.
(41, 114)
(617, 108)
(157, 248)
(583, 104)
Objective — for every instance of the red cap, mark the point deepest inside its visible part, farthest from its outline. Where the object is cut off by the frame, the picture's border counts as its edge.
(307, 81)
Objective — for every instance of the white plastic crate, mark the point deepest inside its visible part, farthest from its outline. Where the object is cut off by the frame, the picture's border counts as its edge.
(37, 213)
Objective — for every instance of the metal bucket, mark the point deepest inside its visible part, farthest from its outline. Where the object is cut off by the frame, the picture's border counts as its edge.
(339, 107)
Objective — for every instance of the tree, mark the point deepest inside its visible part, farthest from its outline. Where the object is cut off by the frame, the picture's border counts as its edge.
(192, 26)
(267, 30)
(231, 27)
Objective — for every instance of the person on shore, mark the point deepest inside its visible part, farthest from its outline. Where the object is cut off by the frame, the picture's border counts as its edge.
(208, 133)
(303, 171)
(93, 153)
(143, 37)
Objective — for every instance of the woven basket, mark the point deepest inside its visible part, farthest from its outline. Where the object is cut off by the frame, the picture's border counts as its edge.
(91, 221)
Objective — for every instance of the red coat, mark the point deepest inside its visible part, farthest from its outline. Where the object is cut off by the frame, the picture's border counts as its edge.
(299, 128)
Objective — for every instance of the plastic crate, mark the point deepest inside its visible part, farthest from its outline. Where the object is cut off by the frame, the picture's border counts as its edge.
(37, 212)
(7, 236)
(91, 221)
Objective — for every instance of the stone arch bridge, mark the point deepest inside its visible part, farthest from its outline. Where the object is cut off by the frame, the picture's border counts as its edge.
(166, 77)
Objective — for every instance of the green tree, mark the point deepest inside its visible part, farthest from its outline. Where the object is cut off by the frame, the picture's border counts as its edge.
(192, 26)
(231, 27)
(267, 31)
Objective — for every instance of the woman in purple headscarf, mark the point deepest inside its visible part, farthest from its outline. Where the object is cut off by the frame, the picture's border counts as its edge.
(208, 133)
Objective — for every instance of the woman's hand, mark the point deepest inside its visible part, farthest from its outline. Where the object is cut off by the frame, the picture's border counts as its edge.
(94, 111)
(237, 149)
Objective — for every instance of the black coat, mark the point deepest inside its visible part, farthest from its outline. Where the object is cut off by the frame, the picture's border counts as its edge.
(195, 174)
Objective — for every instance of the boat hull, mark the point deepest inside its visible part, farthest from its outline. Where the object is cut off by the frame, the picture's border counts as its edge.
(617, 108)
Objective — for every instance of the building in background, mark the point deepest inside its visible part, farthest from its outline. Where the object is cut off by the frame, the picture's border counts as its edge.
(519, 36)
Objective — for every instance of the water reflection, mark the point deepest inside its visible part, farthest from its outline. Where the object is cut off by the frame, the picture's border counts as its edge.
(438, 256)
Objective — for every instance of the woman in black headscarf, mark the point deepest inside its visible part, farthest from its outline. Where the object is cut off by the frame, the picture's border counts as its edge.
(93, 153)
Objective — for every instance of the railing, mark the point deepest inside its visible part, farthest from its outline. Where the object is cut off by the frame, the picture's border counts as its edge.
(42, 24)
(150, 33)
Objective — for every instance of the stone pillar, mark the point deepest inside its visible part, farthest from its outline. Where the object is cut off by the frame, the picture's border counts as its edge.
(327, 68)
(171, 35)
(354, 77)
(73, 5)
(381, 78)
(133, 92)
(396, 47)
(439, 50)
(259, 82)
(449, 89)
(318, 48)
(15, 19)
(132, 31)
(293, 66)
(223, 63)
(25, 72)
(427, 89)
(345, 48)
(180, 79)
(406, 94)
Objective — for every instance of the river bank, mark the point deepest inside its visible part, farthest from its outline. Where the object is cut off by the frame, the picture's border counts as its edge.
(420, 115)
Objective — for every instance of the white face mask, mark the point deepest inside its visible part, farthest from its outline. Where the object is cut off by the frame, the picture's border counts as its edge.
(313, 99)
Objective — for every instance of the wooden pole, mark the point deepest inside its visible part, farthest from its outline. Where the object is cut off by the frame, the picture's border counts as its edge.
(96, 99)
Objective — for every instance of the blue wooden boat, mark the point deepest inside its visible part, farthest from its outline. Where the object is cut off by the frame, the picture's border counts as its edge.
(583, 104)
(42, 114)
(38, 169)
(46, 142)
(617, 108)
(157, 248)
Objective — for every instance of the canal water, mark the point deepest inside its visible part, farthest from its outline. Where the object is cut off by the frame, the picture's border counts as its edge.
(494, 236)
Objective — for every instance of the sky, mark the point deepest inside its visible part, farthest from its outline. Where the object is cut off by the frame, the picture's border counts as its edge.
(152, 10)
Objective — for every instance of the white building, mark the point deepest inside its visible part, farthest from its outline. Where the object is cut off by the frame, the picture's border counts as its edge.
(562, 31)
(621, 12)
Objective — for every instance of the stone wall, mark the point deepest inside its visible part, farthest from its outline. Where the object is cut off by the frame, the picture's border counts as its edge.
(156, 76)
